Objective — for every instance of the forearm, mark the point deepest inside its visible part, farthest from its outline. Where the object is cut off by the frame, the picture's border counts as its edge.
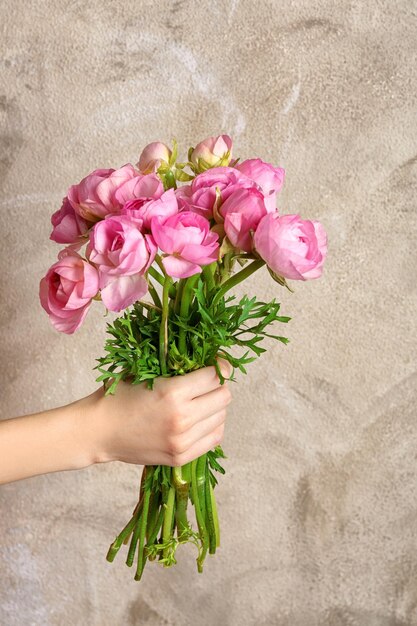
(51, 441)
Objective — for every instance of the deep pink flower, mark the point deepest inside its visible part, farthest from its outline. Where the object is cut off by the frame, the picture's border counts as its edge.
(203, 188)
(101, 193)
(242, 212)
(145, 209)
(68, 226)
(292, 247)
(268, 177)
(187, 241)
(67, 290)
(122, 254)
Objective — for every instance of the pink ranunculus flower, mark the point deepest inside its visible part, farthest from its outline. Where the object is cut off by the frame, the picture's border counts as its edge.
(67, 290)
(268, 177)
(68, 226)
(242, 212)
(187, 241)
(140, 189)
(122, 254)
(183, 195)
(152, 157)
(203, 188)
(291, 247)
(164, 206)
(215, 152)
(101, 192)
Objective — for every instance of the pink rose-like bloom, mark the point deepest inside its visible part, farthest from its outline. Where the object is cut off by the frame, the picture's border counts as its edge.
(152, 156)
(68, 226)
(122, 255)
(140, 189)
(67, 290)
(215, 151)
(268, 177)
(188, 242)
(183, 195)
(292, 247)
(242, 212)
(203, 188)
(146, 209)
(101, 193)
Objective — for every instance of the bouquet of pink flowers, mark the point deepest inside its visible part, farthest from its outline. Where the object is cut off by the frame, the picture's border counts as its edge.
(144, 234)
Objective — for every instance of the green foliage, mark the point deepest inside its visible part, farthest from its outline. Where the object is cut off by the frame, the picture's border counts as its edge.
(212, 330)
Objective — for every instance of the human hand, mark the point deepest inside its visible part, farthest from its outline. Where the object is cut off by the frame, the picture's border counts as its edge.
(180, 419)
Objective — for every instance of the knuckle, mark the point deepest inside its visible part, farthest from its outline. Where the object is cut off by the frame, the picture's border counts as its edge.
(177, 459)
(171, 396)
(175, 422)
(174, 446)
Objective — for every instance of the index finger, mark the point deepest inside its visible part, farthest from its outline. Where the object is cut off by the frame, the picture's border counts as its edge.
(201, 381)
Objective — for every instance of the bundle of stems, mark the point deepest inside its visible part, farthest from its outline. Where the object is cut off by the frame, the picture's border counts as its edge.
(187, 326)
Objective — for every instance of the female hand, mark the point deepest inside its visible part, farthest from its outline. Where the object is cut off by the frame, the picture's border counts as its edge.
(178, 420)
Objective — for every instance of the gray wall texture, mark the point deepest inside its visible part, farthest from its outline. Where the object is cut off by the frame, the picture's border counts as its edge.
(319, 504)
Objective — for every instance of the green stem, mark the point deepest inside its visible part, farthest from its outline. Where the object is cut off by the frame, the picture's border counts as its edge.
(136, 531)
(208, 273)
(199, 515)
(161, 279)
(121, 537)
(156, 275)
(142, 531)
(209, 513)
(201, 490)
(168, 519)
(158, 260)
(154, 532)
(152, 514)
(154, 295)
(180, 289)
(237, 278)
(182, 488)
(215, 514)
(187, 296)
(163, 330)
(136, 515)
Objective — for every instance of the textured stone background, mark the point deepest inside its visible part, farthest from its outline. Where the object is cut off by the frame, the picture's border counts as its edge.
(319, 505)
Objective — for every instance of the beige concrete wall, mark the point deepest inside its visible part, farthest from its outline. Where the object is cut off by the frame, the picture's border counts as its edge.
(319, 504)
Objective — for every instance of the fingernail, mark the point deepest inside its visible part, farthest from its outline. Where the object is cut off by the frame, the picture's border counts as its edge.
(225, 368)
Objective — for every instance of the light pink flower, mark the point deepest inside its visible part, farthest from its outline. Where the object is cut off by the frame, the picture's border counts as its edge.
(68, 226)
(101, 192)
(67, 290)
(187, 241)
(242, 212)
(268, 177)
(203, 188)
(292, 247)
(122, 254)
(152, 156)
(215, 151)
(146, 209)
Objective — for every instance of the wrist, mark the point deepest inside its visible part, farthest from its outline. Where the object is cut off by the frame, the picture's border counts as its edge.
(96, 426)
(88, 430)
